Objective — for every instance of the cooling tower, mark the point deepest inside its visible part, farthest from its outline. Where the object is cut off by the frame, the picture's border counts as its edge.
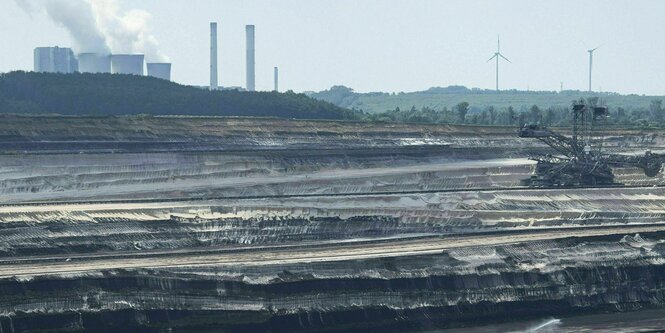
(127, 64)
(213, 55)
(94, 63)
(160, 70)
(249, 30)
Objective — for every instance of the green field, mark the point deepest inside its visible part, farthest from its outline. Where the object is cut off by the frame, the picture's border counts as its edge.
(438, 98)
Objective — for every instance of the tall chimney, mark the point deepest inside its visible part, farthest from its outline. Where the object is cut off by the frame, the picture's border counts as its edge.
(276, 79)
(249, 30)
(213, 55)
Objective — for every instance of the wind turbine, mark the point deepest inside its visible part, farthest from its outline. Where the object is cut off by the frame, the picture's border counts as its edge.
(591, 64)
(498, 55)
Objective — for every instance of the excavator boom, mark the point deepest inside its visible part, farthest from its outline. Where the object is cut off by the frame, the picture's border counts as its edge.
(578, 164)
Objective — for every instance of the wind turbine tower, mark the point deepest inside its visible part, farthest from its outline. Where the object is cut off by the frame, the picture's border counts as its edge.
(498, 55)
(591, 64)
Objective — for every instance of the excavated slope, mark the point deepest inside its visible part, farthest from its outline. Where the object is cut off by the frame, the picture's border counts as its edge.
(181, 224)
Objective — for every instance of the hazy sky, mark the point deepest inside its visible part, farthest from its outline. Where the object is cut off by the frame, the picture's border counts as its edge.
(391, 45)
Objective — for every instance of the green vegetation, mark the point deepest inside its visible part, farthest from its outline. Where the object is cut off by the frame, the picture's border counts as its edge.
(651, 117)
(437, 98)
(105, 94)
(460, 105)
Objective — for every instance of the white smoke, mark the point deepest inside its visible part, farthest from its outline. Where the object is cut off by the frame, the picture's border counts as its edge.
(127, 32)
(100, 26)
(28, 6)
(74, 15)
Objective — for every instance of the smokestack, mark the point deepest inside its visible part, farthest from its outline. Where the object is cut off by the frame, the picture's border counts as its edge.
(276, 79)
(249, 30)
(159, 70)
(127, 64)
(213, 55)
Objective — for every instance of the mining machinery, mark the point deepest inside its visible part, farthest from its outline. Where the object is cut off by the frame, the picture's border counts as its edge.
(579, 161)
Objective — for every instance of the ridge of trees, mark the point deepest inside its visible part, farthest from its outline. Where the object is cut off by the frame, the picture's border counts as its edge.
(493, 108)
(106, 94)
(651, 117)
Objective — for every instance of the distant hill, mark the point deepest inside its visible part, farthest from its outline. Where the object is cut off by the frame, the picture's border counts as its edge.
(439, 97)
(106, 94)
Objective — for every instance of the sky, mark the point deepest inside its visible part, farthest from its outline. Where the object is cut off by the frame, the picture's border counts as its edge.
(390, 45)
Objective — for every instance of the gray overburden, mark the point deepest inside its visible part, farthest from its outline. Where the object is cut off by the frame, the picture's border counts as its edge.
(276, 225)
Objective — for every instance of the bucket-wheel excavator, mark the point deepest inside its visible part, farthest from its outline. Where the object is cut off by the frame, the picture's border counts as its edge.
(578, 163)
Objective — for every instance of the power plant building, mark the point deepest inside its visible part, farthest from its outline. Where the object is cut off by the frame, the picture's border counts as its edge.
(159, 70)
(55, 60)
(276, 79)
(94, 63)
(127, 64)
(251, 74)
(213, 55)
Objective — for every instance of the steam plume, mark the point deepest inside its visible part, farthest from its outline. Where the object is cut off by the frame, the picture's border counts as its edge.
(99, 26)
(74, 15)
(127, 32)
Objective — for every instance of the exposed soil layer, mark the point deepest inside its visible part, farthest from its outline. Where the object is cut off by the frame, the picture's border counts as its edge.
(171, 224)
(454, 288)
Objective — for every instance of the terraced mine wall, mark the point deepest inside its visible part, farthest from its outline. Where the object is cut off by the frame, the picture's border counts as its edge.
(172, 224)
(108, 227)
(147, 134)
(450, 289)
(72, 158)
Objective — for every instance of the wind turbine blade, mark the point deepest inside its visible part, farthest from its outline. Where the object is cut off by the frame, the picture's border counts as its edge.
(498, 44)
(494, 56)
(504, 58)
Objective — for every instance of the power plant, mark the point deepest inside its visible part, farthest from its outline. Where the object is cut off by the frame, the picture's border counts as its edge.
(63, 60)
(249, 32)
(276, 78)
(213, 55)
(160, 70)
(127, 64)
(94, 63)
(55, 60)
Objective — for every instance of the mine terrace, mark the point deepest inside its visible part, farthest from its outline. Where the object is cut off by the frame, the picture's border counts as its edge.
(260, 224)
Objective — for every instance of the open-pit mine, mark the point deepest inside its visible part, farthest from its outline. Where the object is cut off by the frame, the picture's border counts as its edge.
(195, 224)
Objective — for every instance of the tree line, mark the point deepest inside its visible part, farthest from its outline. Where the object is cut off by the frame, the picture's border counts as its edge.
(106, 94)
(463, 113)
